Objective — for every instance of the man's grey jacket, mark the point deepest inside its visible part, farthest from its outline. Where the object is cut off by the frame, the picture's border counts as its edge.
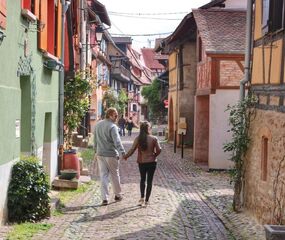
(107, 141)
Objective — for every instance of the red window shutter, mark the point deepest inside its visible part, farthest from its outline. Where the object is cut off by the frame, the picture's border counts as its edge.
(51, 27)
(26, 4)
(42, 43)
(58, 33)
(3, 14)
(37, 8)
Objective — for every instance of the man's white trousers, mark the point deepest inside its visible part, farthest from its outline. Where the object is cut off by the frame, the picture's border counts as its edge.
(109, 168)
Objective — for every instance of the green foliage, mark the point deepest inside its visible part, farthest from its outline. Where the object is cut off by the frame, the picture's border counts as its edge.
(122, 101)
(118, 101)
(28, 198)
(76, 103)
(152, 94)
(68, 195)
(240, 116)
(26, 231)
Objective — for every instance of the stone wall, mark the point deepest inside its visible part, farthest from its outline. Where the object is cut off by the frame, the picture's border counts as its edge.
(259, 191)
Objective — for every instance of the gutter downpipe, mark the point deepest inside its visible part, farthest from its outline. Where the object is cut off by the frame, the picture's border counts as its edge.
(247, 50)
(64, 8)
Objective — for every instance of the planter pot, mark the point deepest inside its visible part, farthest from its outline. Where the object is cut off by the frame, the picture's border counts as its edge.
(275, 232)
(71, 161)
(68, 174)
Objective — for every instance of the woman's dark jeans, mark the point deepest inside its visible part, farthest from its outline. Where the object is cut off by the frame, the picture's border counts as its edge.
(147, 171)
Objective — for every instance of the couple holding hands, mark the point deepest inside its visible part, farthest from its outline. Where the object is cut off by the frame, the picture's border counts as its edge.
(108, 147)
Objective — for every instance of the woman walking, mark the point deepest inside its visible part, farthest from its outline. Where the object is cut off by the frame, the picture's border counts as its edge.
(148, 149)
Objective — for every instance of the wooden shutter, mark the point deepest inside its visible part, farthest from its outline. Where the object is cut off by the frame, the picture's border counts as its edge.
(51, 27)
(3, 14)
(58, 33)
(26, 4)
(37, 8)
(42, 43)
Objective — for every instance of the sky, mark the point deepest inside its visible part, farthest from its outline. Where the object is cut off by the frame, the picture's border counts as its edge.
(133, 17)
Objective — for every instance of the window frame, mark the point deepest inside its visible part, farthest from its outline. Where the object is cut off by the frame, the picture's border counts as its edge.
(270, 16)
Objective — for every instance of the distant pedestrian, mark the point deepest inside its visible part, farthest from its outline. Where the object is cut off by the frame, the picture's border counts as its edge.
(122, 124)
(108, 145)
(130, 125)
(148, 149)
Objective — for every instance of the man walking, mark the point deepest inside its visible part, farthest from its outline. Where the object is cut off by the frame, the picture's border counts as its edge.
(122, 125)
(108, 146)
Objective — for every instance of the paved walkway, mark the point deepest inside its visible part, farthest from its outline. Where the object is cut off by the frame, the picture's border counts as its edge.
(186, 203)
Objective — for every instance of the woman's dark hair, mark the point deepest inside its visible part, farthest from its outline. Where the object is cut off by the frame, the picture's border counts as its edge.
(143, 135)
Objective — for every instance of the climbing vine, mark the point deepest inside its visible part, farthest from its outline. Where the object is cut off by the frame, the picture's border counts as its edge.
(76, 103)
(240, 116)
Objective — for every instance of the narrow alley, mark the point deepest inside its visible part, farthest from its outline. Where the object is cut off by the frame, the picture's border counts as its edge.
(186, 203)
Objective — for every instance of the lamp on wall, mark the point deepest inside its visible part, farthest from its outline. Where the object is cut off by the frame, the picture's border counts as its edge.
(2, 36)
(99, 34)
(54, 65)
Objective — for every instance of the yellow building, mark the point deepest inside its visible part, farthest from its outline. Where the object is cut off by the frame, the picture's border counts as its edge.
(265, 166)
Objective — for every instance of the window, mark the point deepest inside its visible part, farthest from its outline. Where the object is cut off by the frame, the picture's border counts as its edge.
(33, 6)
(200, 50)
(50, 22)
(134, 107)
(272, 15)
(264, 158)
(3, 12)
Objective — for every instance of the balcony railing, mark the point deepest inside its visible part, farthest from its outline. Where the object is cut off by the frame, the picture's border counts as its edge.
(121, 73)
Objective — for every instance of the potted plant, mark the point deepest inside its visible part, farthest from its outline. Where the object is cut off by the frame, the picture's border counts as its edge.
(76, 104)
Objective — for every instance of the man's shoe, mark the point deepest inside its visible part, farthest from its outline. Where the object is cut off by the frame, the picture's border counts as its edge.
(118, 198)
(104, 203)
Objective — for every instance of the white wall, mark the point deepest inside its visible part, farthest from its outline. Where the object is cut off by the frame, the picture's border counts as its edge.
(50, 160)
(219, 126)
(5, 174)
(236, 4)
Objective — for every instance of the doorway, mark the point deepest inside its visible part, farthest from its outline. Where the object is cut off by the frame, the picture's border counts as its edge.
(201, 131)
(25, 125)
(47, 144)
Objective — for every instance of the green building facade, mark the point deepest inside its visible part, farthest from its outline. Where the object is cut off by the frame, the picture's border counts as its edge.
(28, 99)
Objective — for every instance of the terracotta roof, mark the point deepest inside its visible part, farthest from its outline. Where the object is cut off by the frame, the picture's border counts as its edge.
(222, 31)
(149, 59)
(100, 10)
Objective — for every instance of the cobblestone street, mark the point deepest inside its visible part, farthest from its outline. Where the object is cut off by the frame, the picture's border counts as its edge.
(186, 203)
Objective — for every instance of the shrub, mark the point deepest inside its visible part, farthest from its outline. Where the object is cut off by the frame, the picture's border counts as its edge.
(28, 198)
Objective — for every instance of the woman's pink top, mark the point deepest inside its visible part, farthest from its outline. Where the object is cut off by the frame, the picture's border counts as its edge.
(150, 154)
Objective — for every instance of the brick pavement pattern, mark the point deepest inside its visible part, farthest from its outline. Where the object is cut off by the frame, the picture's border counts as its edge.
(186, 203)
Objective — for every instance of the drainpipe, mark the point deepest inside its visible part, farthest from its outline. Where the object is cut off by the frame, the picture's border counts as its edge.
(65, 5)
(177, 98)
(247, 49)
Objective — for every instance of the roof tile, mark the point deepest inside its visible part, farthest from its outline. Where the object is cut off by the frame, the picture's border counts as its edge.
(222, 30)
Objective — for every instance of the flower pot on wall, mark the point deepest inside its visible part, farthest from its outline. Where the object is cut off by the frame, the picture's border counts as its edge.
(71, 161)
(275, 232)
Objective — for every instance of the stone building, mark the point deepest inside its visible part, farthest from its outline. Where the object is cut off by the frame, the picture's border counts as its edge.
(265, 159)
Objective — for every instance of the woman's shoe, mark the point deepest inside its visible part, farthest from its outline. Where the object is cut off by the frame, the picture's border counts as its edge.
(141, 201)
(146, 203)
